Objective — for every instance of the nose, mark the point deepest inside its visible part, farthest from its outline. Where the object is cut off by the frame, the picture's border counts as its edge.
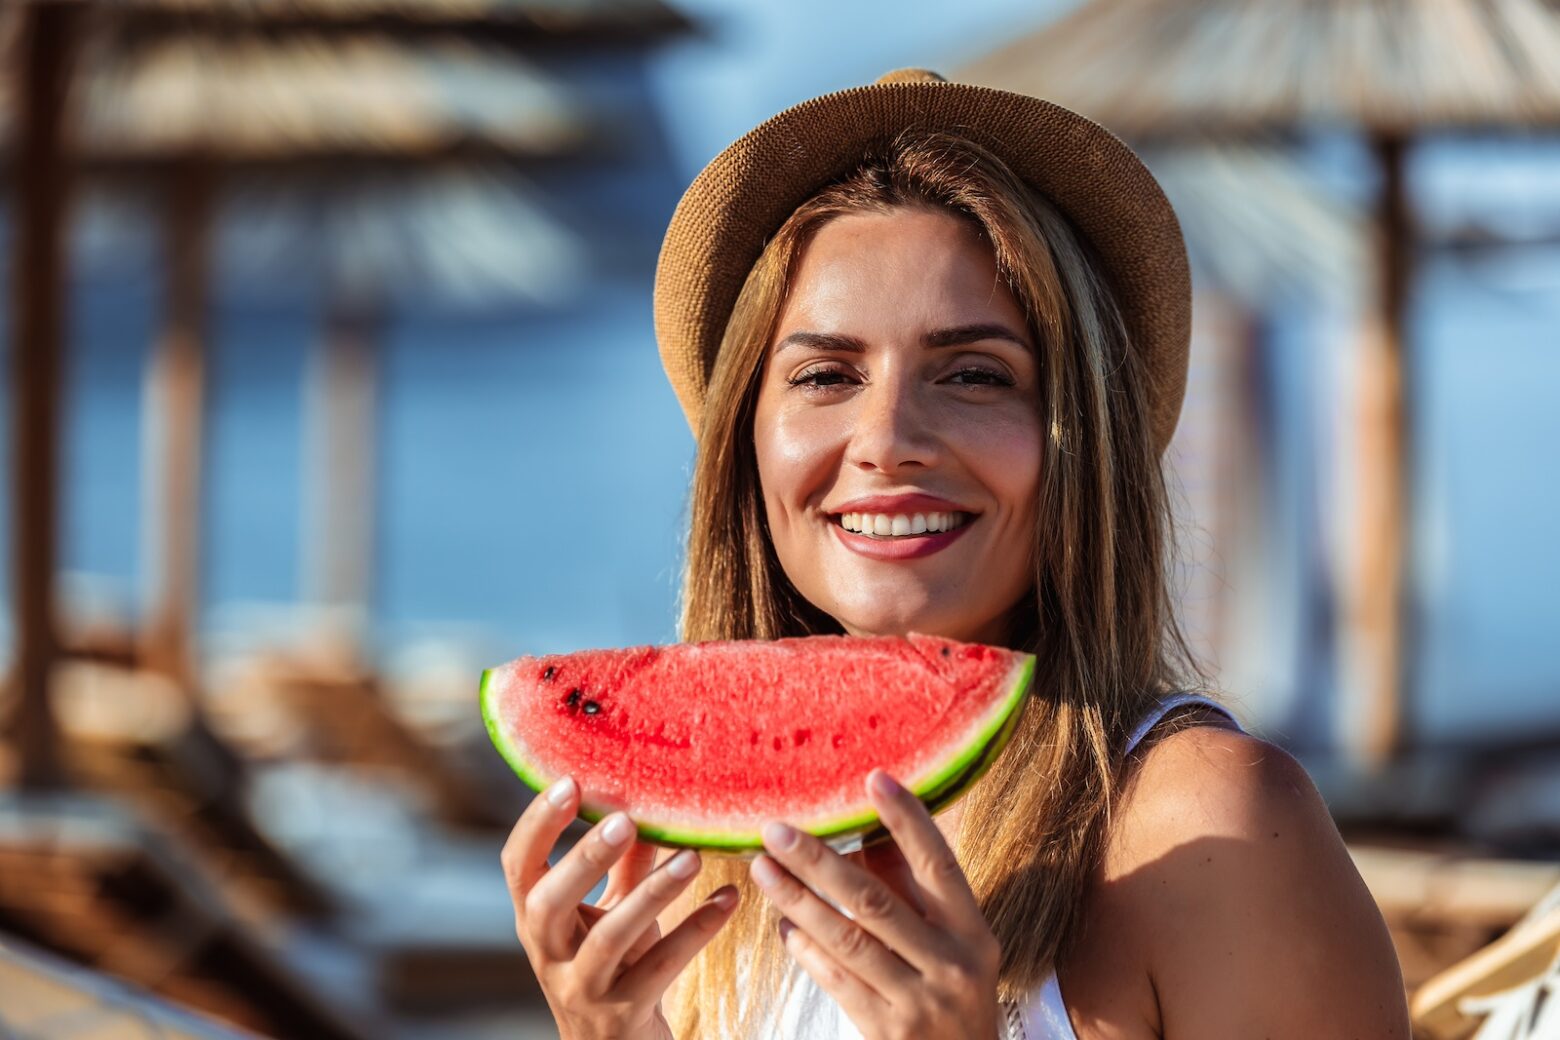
(892, 428)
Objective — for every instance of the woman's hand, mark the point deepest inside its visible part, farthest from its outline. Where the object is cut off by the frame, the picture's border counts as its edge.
(915, 958)
(602, 968)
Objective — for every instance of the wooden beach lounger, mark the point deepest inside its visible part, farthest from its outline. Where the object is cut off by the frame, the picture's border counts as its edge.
(130, 734)
(346, 719)
(82, 876)
(1499, 993)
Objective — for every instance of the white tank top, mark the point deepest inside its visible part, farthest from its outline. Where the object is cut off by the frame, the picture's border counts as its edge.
(810, 1014)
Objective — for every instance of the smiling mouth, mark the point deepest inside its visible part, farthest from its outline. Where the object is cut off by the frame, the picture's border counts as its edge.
(888, 527)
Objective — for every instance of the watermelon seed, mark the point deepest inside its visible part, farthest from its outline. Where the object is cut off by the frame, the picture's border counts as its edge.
(946, 652)
(573, 698)
(591, 707)
(753, 737)
(551, 671)
(872, 721)
(801, 736)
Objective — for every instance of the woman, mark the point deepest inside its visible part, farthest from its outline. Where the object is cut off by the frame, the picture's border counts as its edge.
(932, 339)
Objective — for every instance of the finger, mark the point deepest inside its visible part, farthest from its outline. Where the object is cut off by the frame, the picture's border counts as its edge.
(552, 906)
(653, 972)
(857, 944)
(884, 860)
(932, 863)
(871, 903)
(534, 834)
(610, 939)
(856, 998)
(627, 873)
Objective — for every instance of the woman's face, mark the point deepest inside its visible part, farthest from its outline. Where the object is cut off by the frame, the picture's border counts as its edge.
(898, 430)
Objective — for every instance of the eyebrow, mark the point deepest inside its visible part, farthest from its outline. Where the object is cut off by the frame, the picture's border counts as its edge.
(950, 337)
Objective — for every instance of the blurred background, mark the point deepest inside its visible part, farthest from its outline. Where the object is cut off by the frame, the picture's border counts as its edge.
(331, 381)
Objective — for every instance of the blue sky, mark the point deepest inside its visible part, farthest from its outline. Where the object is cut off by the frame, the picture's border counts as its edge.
(762, 57)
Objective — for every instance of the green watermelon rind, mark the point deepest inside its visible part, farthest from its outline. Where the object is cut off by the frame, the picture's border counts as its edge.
(938, 791)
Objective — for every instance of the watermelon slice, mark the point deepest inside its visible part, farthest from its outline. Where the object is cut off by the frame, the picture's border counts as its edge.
(701, 743)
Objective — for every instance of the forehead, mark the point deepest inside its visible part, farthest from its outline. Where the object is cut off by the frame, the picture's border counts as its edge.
(906, 266)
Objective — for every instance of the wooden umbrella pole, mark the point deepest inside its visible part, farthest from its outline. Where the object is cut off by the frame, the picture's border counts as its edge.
(339, 500)
(37, 357)
(174, 428)
(1377, 664)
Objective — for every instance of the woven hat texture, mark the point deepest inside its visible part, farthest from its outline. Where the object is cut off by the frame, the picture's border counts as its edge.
(747, 191)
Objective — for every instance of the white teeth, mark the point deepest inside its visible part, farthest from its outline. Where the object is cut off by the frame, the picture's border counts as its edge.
(883, 525)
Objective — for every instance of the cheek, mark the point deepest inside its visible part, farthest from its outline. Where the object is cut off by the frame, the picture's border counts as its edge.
(797, 452)
(1005, 454)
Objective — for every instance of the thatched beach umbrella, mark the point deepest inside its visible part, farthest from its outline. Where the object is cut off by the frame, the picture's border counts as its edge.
(186, 99)
(187, 94)
(206, 106)
(1163, 70)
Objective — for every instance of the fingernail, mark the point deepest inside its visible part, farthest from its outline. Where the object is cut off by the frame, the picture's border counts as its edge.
(561, 791)
(683, 865)
(616, 830)
(725, 898)
(885, 785)
(765, 873)
(786, 928)
(779, 836)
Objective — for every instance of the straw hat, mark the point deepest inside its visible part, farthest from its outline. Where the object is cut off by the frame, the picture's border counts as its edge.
(747, 191)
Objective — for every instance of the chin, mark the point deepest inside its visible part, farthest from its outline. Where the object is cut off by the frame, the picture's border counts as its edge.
(897, 621)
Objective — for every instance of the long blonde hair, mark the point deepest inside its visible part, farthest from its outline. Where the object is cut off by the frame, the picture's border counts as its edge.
(1099, 618)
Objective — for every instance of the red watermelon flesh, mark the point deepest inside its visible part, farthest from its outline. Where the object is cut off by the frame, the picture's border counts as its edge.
(702, 743)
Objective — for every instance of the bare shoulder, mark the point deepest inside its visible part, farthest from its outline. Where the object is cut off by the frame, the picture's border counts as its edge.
(1215, 778)
(1254, 920)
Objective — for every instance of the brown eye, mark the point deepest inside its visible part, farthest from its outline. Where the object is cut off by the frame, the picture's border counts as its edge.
(975, 375)
(818, 378)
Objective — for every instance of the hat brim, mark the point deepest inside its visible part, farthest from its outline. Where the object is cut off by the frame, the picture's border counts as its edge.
(747, 191)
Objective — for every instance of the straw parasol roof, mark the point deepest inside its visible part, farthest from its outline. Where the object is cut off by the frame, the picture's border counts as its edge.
(474, 234)
(509, 20)
(1392, 66)
(254, 99)
(469, 235)
(249, 100)
(1257, 227)
(276, 82)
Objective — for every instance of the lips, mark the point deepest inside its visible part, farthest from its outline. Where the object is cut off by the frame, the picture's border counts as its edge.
(899, 527)
(903, 504)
